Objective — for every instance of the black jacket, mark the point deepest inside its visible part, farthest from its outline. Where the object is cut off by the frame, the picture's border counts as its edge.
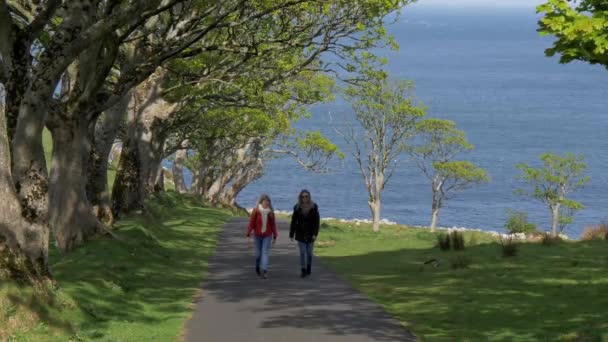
(304, 227)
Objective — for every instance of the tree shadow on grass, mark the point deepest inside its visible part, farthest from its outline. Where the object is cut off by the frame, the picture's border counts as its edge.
(544, 293)
(149, 278)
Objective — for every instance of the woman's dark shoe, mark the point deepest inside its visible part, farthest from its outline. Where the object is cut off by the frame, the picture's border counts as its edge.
(265, 275)
(304, 273)
(257, 271)
(308, 269)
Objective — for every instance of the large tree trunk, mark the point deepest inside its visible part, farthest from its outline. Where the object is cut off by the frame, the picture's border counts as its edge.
(70, 214)
(17, 83)
(29, 164)
(215, 191)
(202, 178)
(105, 134)
(249, 167)
(243, 178)
(127, 192)
(554, 219)
(208, 181)
(159, 181)
(229, 169)
(142, 147)
(178, 171)
(198, 176)
(151, 145)
(27, 253)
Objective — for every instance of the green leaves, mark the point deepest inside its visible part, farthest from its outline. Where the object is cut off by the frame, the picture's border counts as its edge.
(581, 30)
(382, 106)
(559, 176)
(556, 179)
(315, 142)
(462, 172)
(439, 141)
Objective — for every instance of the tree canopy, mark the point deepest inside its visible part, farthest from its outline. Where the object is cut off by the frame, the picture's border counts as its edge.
(580, 28)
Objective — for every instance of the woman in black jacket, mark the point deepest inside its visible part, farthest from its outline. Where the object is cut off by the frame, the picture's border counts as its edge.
(305, 222)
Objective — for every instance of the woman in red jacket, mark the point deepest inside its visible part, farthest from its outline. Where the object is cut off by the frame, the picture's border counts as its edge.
(263, 225)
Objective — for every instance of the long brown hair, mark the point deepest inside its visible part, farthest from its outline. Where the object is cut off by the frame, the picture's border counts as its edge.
(265, 197)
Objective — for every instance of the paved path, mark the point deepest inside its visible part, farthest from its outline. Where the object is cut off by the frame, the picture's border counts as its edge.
(238, 306)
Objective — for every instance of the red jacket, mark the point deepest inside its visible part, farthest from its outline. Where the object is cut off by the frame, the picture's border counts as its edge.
(255, 225)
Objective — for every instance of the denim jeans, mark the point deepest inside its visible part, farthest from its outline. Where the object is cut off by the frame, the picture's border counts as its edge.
(262, 250)
(306, 253)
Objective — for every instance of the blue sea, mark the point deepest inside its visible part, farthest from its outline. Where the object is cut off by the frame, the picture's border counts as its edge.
(485, 70)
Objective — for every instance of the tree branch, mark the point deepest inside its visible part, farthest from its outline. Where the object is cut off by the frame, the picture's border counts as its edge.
(40, 21)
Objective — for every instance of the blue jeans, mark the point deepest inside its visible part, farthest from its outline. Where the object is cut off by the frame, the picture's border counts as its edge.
(306, 253)
(262, 250)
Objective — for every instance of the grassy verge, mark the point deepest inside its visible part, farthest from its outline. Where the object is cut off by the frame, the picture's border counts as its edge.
(139, 289)
(545, 293)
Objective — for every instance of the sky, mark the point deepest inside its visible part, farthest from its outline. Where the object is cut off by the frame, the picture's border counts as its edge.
(481, 3)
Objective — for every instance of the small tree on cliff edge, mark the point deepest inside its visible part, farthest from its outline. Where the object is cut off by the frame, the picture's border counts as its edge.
(440, 142)
(558, 177)
(387, 114)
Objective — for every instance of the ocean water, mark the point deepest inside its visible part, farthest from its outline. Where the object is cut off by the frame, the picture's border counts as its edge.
(485, 70)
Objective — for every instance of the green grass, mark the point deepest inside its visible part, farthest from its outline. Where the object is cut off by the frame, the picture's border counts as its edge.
(139, 289)
(545, 293)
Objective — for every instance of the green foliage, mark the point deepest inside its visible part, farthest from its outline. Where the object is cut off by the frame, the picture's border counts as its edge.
(387, 113)
(460, 174)
(316, 146)
(517, 222)
(558, 177)
(581, 29)
(438, 143)
(440, 140)
(253, 80)
(554, 181)
(385, 107)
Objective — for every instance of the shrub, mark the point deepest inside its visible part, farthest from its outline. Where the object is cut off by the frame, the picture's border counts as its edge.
(549, 240)
(509, 246)
(453, 240)
(457, 240)
(443, 241)
(595, 232)
(517, 222)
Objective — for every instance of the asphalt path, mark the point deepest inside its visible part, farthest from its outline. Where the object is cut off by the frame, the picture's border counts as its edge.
(237, 305)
